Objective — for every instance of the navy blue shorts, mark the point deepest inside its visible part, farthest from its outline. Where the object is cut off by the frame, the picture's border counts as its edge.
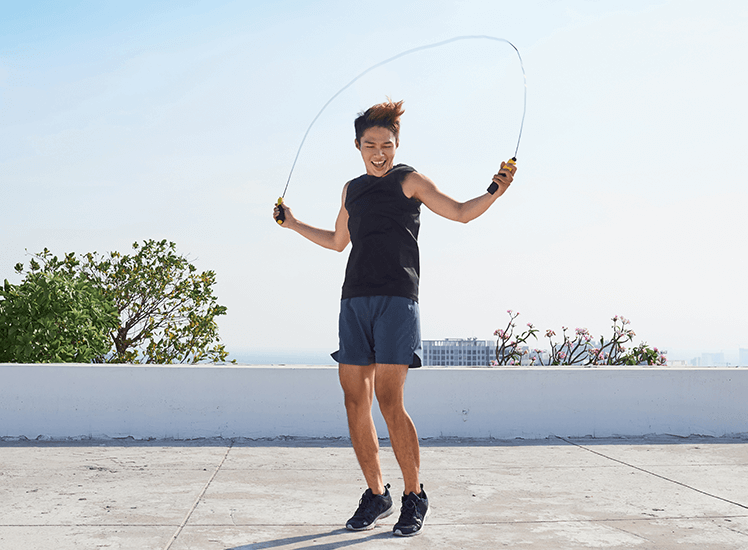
(379, 329)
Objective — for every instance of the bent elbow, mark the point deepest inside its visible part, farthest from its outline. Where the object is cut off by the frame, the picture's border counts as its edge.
(463, 215)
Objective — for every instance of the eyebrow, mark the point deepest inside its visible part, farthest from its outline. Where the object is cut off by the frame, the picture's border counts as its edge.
(370, 142)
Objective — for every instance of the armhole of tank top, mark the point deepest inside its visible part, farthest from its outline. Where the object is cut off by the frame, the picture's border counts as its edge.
(406, 197)
(346, 187)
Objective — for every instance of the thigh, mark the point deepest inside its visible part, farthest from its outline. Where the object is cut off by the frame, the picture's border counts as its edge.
(389, 382)
(357, 381)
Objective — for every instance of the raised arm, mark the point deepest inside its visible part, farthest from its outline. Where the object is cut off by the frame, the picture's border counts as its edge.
(336, 239)
(422, 188)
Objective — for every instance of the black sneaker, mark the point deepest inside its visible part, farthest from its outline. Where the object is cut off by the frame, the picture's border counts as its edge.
(412, 514)
(371, 507)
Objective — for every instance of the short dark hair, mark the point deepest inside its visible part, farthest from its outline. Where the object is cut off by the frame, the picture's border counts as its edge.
(385, 115)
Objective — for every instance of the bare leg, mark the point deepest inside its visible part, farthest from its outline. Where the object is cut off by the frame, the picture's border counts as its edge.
(389, 387)
(358, 388)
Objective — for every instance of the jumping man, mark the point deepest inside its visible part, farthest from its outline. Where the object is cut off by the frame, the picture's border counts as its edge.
(379, 324)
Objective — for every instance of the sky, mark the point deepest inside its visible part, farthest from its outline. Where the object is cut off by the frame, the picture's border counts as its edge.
(121, 122)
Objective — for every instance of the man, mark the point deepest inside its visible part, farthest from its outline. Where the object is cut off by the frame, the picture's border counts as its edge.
(379, 325)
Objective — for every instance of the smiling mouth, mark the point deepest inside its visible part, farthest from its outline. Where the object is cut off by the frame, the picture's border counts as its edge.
(379, 164)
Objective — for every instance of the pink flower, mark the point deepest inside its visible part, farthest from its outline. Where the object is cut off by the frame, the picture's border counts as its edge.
(549, 333)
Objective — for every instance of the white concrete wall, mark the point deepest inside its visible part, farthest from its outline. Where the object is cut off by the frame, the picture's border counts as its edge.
(185, 402)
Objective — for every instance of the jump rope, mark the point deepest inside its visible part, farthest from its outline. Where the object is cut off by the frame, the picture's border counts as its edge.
(281, 211)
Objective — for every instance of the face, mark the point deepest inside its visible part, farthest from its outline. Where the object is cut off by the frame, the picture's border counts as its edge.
(378, 146)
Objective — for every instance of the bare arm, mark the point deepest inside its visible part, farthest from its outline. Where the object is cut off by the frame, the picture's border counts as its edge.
(422, 188)
(336, 239)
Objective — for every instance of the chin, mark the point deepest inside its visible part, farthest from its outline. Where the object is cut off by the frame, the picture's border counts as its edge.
(377, 170)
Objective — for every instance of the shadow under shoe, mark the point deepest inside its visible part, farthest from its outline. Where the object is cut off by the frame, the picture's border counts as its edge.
(371, 508)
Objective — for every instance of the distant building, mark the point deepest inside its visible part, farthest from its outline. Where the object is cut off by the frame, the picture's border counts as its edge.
(458, 352)
(713, 360)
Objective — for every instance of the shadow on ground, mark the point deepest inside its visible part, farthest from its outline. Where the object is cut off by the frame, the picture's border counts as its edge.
(315, 540)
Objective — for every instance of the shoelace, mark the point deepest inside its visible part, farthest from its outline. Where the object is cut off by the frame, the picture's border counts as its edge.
(364, 510)
(409, 505)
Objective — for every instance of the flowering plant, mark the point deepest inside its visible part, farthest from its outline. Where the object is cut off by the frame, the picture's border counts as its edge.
(508, 350)
(577, 350)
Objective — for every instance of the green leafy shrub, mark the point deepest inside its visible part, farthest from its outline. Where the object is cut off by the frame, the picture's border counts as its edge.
(166, 309)
(54, 318)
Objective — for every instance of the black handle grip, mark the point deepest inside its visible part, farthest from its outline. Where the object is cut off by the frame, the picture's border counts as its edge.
(281, 217)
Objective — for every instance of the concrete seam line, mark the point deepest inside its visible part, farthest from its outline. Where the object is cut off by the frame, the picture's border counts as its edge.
(198, 499)
(654, 474)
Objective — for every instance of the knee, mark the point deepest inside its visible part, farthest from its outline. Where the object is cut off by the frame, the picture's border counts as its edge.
(357, 402)
(391, 406)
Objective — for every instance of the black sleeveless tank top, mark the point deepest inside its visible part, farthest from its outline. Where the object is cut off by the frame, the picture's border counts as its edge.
(383, 224)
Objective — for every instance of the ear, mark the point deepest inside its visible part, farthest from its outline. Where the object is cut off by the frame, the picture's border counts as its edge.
(358, 145)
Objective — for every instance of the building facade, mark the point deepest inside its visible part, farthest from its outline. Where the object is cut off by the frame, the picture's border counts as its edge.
(458, 352)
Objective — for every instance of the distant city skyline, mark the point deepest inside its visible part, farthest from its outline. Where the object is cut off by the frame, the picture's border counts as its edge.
(317, 356)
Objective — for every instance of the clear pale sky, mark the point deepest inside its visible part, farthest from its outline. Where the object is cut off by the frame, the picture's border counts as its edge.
(138, 120)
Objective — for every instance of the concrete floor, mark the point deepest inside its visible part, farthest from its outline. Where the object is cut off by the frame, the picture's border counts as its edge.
(553, 494)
